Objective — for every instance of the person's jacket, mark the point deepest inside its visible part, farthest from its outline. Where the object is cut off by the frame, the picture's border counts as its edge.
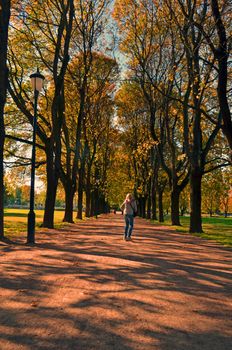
(129, 207)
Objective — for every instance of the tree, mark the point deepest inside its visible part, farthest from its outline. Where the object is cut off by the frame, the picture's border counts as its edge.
(119, 182)
(46, 29)
(56, 36)
(151, 45)
(199, 78)
(161, 186)
(221, 54)
(133, 118)
(218, 38)
(5, 6)
(184, 118)
(78, 136)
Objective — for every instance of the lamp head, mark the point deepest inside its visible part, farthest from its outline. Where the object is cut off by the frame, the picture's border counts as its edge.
(37, 81)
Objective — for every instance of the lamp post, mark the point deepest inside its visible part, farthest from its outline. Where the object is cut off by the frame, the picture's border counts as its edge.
(37, 84)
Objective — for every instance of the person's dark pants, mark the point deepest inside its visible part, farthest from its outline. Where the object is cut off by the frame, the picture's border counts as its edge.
(129, 220)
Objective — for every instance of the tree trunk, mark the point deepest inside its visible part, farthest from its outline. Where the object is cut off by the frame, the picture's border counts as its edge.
(69, 197)
(80, 193)
(182, 211)
(141, 207)
(4, 23)
(223, 101)
(88, 202)
(149, 200)
(195, 202)
(139, 204)
(161, 211)
(197, 166)
(144, 200)
(48, 220)
(53, 153)
(52, 183)
(149, 207)
(88, 195)
(101, 205)
(2, 138)
(92, 204)
(221, 55)
(153, 199)
(96, 200)
(175, 199)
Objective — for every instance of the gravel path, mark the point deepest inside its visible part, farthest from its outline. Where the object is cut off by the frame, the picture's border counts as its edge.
(85, 288)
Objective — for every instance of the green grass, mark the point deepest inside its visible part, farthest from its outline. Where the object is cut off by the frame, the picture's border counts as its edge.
(215, 228)
(15, 220)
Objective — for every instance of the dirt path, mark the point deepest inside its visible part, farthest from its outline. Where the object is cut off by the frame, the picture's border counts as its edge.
(84, 288)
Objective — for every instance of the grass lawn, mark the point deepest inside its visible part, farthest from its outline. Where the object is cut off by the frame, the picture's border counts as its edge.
(216, 228)
(15, 220)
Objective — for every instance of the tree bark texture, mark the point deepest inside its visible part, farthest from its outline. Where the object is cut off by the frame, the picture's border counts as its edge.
(149, 199)
(175, 199)
(221, 54)
(195, 200)
(53, 148)
(80, 192)
(88, 193)
(52, 183)
(68, 214)
(4, 23)
(153, 199)
(161, 211)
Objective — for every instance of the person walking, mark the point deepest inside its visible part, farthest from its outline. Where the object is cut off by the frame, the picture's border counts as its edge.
(129, 208)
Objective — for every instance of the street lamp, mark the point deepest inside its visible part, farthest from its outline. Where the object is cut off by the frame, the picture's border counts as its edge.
(37, 84)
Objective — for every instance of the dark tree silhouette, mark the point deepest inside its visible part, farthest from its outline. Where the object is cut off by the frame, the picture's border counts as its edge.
(4, 23)
(221, 53)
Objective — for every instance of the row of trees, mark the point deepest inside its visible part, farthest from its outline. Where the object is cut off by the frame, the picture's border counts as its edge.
(178, 120)
(173, 124)
(146, 175)
(65, 39)
(216, 190)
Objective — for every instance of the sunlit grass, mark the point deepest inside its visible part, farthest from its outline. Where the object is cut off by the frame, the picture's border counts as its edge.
(15, 220)
(215, 228)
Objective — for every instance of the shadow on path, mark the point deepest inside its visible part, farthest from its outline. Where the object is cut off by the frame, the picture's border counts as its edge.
(83, 287)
